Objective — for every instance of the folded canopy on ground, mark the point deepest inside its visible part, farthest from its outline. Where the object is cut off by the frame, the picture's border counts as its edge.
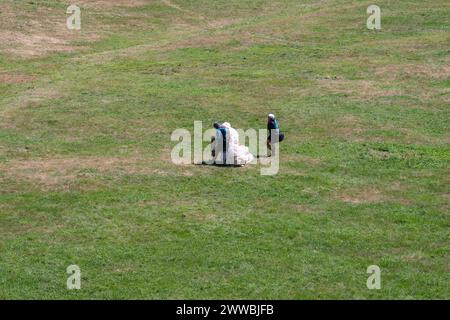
(226, 147)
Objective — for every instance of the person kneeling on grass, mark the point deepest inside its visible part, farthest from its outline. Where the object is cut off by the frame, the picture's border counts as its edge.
(273, 129)
(219, 143)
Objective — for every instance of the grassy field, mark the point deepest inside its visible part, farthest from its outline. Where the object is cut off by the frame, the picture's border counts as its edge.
(86, 176)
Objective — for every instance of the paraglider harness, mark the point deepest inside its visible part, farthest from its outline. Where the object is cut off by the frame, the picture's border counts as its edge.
(273, 125)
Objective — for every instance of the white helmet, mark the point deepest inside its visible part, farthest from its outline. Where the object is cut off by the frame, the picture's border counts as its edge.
(271, 116)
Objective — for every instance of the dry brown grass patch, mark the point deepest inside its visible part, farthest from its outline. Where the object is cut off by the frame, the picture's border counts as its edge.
(348, 125)
(363, 89)
(301, 208)
(59, 172)
(114, 3)
(302, 158)
(65, 173)
(362, 195)
(29, 98)
(38, 32)
(15, 78)
(394, 192)
(414, 70)
(199, 42)
(31, 45)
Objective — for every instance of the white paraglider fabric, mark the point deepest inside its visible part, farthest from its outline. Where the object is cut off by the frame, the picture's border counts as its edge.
(239, 152)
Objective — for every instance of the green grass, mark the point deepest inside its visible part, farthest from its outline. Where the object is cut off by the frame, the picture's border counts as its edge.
(86, 176)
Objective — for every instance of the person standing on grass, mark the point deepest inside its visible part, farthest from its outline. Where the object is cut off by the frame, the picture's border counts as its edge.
(273, 131)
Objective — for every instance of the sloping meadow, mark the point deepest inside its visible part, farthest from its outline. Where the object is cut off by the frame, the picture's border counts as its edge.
(86, 175)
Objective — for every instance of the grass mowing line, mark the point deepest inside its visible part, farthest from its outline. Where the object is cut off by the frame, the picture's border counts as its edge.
(177, 7)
